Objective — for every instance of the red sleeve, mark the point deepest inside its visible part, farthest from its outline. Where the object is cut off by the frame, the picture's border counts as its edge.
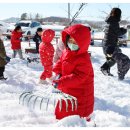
(58, 67)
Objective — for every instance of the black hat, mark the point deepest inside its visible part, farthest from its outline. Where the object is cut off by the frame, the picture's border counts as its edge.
(39, 30)
(116, 12)
(17, 27)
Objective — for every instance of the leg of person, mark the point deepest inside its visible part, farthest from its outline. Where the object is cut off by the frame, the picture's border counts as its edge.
(2, 69)
(37, 47)
(111, 62)
(123, 68)
(104, 68)
(49, 74)
(43, 78)
(14, 53)
(20, 54)
(92, 42)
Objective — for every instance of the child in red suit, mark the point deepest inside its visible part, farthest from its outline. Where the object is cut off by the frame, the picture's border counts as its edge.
(76, 71)
(46, 51)
(16, 42)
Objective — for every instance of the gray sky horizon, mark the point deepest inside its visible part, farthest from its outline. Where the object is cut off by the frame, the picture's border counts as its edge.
(92, 11)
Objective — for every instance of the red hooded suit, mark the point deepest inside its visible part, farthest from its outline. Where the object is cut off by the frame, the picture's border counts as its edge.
(15, 40)
(77, 77)
(46, 51)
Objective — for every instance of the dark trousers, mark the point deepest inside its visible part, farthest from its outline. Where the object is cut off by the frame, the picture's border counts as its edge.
(108, 64)
(37, 47)
(109, 60)
(2, 69)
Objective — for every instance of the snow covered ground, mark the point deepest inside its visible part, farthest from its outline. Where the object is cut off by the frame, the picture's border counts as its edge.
(112, 97)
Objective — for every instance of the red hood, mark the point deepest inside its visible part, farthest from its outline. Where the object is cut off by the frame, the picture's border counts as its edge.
(81, 35)
(47, 35)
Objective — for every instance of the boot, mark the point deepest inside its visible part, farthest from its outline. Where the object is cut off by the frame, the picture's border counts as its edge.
(120, 76)
(43, 81)
(108, 72)
(3, 78)
(105, 69)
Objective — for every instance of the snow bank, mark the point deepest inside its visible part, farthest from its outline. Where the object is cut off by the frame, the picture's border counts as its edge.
(112, 97)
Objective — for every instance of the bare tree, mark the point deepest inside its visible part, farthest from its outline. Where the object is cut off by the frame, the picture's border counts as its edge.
(24, 16)
(30, 16)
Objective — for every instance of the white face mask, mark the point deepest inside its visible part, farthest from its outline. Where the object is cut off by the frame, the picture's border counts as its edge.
(73, 47)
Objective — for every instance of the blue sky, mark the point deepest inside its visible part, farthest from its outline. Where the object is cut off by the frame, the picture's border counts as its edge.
(92, 11)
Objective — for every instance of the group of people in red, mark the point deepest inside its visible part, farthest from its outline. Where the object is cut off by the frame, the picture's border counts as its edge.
(74, 68)
(74, 65)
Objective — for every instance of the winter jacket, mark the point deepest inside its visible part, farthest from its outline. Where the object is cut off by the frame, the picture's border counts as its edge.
(77, 77)
(37, 40)
(46, 51)
(112, 32)
(2, 54)
(15, 40)
(59, 49)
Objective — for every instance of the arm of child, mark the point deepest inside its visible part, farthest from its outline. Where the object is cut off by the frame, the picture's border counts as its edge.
(82, 72)
(57, 68)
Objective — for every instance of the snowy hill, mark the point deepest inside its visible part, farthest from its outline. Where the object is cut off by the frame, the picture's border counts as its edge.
(112, 97)
(11, 20)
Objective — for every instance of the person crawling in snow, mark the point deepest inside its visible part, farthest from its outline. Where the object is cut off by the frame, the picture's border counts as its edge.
(76, 72)
(46, 51)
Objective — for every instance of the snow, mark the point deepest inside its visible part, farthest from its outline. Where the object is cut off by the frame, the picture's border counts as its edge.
(55, 27)
(71, 121)
(112, 97)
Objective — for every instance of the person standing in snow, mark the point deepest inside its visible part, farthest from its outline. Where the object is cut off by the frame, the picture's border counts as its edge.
(2, 59)
(59, 48)
(16, 42)
(46, 51)
(76, 72)
(37, 39)
(112, 32)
